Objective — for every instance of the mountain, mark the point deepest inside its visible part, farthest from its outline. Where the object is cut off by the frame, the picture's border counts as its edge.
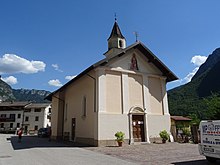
(194, 97)
(210, 62)
(8, 94)
(30, 95)
(211, 81)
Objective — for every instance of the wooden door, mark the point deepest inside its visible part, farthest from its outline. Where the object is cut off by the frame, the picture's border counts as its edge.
(138, 128)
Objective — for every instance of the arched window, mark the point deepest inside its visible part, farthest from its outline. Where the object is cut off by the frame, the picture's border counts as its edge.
(120, 43)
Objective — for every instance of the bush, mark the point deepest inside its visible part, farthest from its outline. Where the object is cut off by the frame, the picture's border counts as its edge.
(186, 132)
(119, 136)
(164, 135)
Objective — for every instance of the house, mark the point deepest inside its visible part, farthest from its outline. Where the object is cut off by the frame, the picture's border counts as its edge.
(11, 115)
(30, 116)
(36, 116)
(178, 125)
(126, 91)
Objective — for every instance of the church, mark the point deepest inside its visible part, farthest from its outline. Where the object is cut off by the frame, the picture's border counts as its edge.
(126, 91)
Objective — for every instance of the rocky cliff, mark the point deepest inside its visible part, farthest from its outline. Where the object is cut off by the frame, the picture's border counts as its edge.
(8, 94)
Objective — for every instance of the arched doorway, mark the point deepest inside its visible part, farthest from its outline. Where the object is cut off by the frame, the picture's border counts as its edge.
(137, 125)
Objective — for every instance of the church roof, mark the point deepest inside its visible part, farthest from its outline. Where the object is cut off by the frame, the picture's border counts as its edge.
(116, 32)
(138, 45)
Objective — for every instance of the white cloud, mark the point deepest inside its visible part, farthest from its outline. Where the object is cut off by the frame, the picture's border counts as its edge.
(69, 77)
(11, 63)
(56, 67)
(11, 80)
(198, 60)
(55, 83)
(189, 76)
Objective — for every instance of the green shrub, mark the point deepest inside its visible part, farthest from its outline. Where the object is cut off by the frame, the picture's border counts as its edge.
(119, 136)
(186, 132)
(164, 135)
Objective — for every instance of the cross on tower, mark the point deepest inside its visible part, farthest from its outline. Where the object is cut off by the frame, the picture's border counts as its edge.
(115, 17)
(136, 35)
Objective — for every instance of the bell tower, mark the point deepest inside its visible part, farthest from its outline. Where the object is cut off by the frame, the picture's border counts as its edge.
(116, 41)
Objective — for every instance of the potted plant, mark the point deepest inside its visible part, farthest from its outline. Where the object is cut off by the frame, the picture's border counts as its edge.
(164, 136)
(119, 137)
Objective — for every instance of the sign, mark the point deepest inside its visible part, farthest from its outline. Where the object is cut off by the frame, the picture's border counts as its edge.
(210, 133)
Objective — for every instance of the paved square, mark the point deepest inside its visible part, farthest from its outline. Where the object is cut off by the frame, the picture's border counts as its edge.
(40, 151)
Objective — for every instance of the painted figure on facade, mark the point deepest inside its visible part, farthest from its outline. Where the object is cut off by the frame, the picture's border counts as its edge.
(134, 65)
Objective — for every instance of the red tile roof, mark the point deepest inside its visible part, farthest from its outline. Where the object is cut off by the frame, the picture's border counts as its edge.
(180, 118)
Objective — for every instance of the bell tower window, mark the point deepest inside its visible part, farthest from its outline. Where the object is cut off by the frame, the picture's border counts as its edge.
(120, 43)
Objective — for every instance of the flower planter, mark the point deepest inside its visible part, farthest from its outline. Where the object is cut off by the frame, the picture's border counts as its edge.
(119, 138)
(164, 140)
(164, 136)
(119, 143)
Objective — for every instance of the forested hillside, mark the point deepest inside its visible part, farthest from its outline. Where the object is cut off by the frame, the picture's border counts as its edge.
(199, 98)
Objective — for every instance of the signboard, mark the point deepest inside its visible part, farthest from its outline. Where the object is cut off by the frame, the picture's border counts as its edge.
(210, 133)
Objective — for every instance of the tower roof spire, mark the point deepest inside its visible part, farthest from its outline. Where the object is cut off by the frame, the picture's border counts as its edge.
(116, 41)
(116, 32)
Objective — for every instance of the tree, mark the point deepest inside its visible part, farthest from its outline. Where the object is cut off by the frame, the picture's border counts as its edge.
(213, 106)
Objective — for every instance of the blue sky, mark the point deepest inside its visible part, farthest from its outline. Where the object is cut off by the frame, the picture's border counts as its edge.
(43, 43)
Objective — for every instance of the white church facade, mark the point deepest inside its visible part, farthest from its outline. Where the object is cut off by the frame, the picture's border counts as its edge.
(126, 91)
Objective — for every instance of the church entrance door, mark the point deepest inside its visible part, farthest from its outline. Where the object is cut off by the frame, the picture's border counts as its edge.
(138, 128)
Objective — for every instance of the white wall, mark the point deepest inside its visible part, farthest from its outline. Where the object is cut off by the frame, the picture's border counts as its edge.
(42, 118)
(157, 123)
(109, 124)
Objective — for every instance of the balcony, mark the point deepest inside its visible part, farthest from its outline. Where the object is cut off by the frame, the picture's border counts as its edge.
(7, 119)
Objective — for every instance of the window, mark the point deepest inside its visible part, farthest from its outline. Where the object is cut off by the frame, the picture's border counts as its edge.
(18, 125)
(3, 115)
(35, 127)
(2, 125)
(11, 125)
(19, 116)
(37, 110)
(26, 118)
(120, 44)
(12, 116)
(37, 118)
(84, 107)
(27, 110)
(49, 110)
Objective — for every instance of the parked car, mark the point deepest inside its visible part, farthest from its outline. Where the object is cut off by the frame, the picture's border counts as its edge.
(44, 132)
